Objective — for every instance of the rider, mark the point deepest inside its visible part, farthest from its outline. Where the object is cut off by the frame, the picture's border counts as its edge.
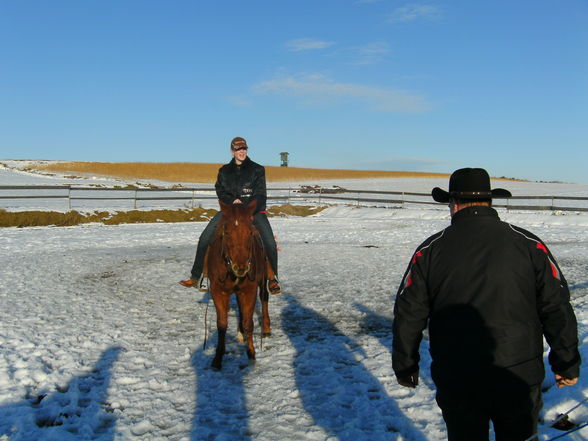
(239, 182)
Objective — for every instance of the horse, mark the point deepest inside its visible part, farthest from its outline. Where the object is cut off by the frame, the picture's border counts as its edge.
(236, 263)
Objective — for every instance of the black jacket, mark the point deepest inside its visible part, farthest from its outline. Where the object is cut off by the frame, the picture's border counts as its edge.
(245, 182)
(489, 292)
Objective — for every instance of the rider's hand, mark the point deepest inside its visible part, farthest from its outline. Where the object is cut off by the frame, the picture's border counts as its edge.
(563, 381)
(237, 201)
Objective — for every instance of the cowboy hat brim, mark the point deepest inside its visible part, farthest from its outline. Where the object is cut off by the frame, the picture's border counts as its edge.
(440, 195)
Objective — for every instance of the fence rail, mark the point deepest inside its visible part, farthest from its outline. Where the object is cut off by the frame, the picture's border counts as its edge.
(319, 195)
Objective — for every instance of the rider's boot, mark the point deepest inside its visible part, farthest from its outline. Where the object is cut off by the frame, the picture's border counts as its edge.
(273, 284)
(201, 283)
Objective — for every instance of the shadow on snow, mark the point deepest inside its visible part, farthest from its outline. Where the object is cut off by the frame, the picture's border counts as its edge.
(221, 406)
(380, 327)
(340, 394)
(78, 410)
(376, 325)
(578, 286)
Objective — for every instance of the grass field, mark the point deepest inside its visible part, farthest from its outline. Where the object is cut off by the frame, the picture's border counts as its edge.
(197, 172)
(46, 218)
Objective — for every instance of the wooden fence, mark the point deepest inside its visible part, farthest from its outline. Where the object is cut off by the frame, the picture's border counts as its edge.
(73, 194)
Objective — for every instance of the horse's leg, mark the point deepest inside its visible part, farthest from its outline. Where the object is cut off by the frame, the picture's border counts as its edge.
(240, 332)
(265, 318)
(247, 306)
(240, 337)
(221, 303)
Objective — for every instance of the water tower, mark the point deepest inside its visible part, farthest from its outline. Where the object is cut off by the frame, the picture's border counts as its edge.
(284, 159)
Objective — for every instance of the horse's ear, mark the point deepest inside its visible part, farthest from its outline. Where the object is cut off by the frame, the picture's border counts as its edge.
(251, 207)
(224, 207)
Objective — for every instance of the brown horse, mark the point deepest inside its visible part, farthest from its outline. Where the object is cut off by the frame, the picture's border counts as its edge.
(236, 263)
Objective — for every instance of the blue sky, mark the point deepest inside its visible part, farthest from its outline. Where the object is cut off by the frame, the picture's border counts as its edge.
(362, 84)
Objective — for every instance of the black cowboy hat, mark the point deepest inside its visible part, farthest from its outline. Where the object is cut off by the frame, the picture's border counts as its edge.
(469, 184)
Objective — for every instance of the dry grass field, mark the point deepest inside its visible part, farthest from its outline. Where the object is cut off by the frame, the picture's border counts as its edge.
(53, 218)
(196, 172)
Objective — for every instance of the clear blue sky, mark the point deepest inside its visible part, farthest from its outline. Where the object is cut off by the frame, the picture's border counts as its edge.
(365, 84)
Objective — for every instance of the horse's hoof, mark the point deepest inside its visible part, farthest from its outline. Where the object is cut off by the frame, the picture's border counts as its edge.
(267, 334)
(216, 365)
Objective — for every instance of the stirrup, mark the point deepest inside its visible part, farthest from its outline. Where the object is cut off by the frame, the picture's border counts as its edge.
(203, 284)
(273, 286)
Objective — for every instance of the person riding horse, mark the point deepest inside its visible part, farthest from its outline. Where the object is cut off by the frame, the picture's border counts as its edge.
(239, 182)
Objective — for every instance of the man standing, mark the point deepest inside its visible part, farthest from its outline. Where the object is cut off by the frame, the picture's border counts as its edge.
(489, 291)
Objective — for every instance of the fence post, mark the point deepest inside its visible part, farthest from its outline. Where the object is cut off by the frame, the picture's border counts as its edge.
(193, 191)
(358, 198)
(289, 194)
(69, 197)
(135, 199)
(320, 194)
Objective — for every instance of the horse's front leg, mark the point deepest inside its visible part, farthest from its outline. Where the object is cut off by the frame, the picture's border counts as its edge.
(240, 331)
(246, 308)
(265, 318)
(221, 303)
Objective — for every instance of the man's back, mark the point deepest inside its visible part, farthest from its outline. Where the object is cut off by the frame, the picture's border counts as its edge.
(488, 287)
(483, 263)
(489, 292)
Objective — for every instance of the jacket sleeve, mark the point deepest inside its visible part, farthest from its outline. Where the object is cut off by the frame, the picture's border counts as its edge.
(260, 188)
(556, 314)
(411, 312)
(222, 192)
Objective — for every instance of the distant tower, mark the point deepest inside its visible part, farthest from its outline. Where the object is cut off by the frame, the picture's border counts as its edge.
(284, 159)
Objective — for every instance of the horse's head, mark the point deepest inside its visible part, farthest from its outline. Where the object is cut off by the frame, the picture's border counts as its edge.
(238, 236)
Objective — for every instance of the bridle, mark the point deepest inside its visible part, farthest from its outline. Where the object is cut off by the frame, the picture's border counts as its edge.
(232, 269)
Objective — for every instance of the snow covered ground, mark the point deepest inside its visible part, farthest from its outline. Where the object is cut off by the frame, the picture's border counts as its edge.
(99, 342)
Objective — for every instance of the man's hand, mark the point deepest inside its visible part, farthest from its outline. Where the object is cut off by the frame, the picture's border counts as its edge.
(411, 380)
(563, 381)
(237, 201)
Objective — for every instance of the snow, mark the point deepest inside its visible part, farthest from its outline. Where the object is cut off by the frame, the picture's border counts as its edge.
(99, 341)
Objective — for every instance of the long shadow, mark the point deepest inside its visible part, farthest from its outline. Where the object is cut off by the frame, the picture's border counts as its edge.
(376, 325)
(578, 286)
(76, 410)
(380, 327)
(221, 404)
(342, 397)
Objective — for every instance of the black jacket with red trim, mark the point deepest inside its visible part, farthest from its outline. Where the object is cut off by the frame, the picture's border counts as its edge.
(489, 291)
(245, 182)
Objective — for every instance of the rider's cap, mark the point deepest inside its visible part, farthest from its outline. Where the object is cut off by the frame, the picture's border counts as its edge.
(238, 142)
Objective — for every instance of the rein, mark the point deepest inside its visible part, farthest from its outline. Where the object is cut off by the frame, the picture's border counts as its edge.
(206, 324)
(231, 268)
